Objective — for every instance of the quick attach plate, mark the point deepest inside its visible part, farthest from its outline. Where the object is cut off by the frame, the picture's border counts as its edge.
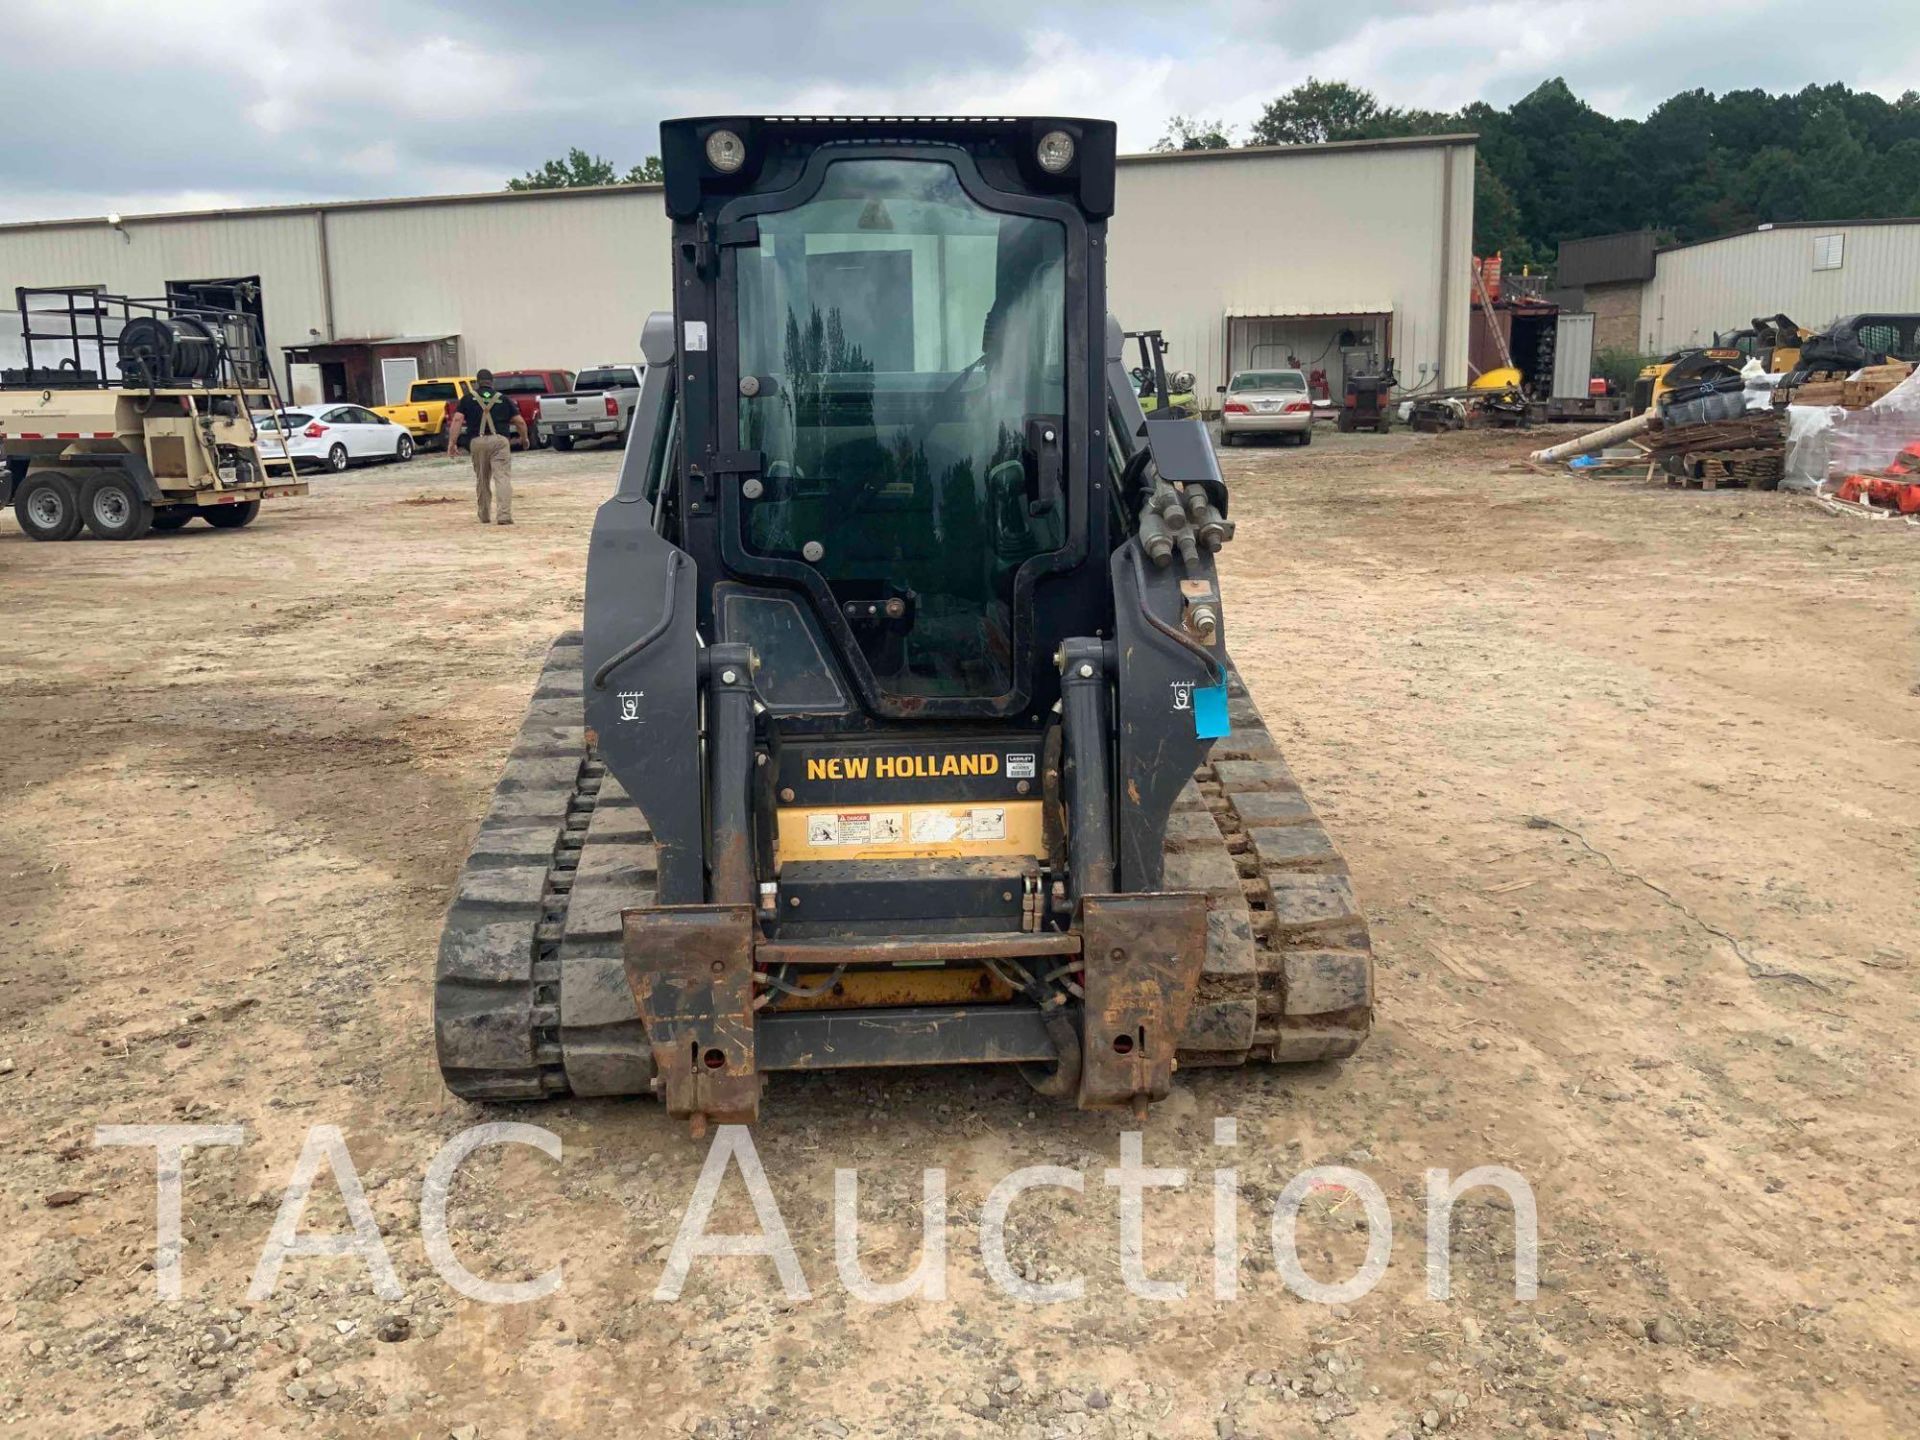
(1143, 955)
(691, 969)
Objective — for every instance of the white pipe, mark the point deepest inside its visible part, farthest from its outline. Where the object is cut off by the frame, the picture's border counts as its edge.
(1597, 439)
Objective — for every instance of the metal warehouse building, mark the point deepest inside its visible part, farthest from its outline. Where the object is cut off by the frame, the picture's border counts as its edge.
(1242, 257)
(1656, 299)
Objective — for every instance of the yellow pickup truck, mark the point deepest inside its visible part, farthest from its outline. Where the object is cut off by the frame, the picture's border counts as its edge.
(429, 405)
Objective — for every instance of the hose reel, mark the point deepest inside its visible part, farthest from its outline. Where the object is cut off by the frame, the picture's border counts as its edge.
(168, 352)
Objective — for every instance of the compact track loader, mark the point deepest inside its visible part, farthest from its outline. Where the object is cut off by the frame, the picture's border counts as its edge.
(902, 730)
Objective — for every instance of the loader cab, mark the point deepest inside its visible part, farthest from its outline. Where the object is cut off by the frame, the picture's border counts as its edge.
(887, 337)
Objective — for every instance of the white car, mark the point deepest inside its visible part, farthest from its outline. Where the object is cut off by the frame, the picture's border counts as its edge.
(1266, 402)
(333, 436)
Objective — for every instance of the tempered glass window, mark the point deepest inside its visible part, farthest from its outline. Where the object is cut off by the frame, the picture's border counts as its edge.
(906, 345)
(1268, 380)
(594, 380)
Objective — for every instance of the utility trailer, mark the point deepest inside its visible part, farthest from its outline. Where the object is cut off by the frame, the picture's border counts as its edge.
(133, 415)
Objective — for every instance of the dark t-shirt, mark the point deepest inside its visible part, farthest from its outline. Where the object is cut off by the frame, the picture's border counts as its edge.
(505, 412)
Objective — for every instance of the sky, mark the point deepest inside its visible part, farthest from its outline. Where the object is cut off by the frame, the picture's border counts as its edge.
(139, 106)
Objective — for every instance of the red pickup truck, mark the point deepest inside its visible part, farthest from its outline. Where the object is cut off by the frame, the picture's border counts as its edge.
(525, 387)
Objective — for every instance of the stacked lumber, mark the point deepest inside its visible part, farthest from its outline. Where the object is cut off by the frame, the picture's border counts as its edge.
(1749, 451)
(1826, 387)
(1871, 383)
(1837, 387)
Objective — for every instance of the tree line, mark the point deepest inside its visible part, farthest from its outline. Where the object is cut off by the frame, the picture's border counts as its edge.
(1552, 168)
(580, 168)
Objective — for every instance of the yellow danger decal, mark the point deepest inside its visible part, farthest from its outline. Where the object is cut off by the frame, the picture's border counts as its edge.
(1015, 827)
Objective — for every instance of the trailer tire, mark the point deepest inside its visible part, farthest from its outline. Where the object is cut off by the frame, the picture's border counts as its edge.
(47, 507)
(231, 517)
(562, 443)
(115, 509)
(173, 517)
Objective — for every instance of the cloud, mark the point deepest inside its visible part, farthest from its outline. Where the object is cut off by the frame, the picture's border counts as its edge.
(260, 103)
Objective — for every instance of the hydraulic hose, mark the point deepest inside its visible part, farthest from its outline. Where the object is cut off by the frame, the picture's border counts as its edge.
(1186, 642)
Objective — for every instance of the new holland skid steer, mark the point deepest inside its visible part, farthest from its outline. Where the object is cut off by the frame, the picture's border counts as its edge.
(903, 729)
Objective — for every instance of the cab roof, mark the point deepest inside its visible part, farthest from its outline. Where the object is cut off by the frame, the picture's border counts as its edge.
(690, 177)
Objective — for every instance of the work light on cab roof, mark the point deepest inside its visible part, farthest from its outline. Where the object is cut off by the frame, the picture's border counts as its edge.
(725, 151)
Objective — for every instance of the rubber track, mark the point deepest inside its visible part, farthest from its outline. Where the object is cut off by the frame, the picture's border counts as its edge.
(1289, 973)
(530, 999)
(497, 984)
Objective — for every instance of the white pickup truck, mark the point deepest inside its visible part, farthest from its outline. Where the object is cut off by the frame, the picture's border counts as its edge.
(599, 406)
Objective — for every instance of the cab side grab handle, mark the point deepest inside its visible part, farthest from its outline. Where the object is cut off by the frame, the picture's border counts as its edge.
(1043, 444)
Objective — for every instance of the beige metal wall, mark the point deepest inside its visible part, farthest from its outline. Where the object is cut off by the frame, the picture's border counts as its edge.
(566, 278)
(1724, 284)
(282, 248)
(561, 280)
(524, 283)
(1324, 230)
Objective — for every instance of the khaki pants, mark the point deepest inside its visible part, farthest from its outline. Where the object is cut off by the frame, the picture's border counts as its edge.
(493, 476)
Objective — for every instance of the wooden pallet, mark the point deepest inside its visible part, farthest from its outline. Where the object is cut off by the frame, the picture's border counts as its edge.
(1758, 468)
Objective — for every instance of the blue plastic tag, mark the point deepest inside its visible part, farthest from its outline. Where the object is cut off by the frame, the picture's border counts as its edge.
(1210, 719)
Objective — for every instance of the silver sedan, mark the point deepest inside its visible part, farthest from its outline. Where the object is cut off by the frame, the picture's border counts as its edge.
(1266, 402)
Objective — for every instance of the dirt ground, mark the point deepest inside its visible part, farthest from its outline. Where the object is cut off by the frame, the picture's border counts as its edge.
(1629, 780)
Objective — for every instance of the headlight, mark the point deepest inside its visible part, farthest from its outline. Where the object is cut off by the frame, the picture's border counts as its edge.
(726, 151)
(1055, 151)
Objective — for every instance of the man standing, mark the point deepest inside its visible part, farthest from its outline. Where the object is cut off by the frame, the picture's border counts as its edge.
(488, 418)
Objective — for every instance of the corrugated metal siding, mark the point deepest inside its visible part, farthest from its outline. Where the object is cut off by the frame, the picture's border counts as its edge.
(1702, 289)
(1488, 344)
(1297, 234)
(524, 285)
(567, 281)
(282, 250)
(1572, 355)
